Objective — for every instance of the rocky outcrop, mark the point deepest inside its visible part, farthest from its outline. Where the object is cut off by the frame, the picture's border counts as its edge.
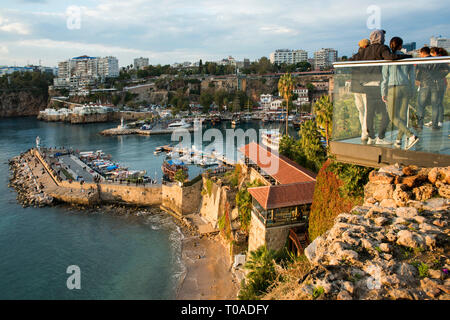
(375, 252)
(21, 103)
(29, 191)
(395, 187)
(395, 246)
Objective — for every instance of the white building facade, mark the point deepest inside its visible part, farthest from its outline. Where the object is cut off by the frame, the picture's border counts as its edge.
(288, 56)
(325, 58)
(440, 42)
(85, 71)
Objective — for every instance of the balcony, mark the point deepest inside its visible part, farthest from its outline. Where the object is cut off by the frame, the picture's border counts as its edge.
(416, 102)
(281, 216)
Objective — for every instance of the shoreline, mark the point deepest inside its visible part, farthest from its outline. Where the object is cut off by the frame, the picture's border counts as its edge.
(207, 274)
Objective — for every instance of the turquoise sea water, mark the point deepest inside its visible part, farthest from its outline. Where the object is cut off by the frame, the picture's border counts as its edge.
(120, 257)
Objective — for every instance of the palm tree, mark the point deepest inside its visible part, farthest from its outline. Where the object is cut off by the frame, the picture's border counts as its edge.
(285, 88)
(324, 116)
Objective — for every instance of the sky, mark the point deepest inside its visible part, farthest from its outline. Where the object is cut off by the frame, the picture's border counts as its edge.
(169, 31)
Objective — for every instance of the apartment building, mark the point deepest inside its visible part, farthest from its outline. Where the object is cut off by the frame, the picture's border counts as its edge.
(325, 58)
(85, 71)
(140, 63)
(288, 56)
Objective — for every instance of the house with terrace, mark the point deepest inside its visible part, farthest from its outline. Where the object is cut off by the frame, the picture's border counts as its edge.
(280, 208)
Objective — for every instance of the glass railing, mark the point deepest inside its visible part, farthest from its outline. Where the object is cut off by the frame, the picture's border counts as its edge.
(399, 105)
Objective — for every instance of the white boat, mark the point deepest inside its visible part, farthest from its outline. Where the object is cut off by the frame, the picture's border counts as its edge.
(178, 125)
(271, 139)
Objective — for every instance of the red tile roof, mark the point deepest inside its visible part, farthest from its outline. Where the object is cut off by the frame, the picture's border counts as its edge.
(282, 169)
(284, 195)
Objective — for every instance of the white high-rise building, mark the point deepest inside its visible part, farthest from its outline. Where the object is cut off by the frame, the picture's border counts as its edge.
(85, 70)
(288, 56)
(325, 58)
(440, 42)
(108, 67)
(140, 63)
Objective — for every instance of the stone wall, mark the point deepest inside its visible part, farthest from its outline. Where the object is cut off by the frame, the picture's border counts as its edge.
(273, 237)
(213, 205)
(257, 234)
(182, 200)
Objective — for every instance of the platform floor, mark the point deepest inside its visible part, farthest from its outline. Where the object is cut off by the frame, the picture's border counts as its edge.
(430, 140)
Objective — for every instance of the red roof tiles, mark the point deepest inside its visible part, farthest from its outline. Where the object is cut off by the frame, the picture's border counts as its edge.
(284, 195)
(282, 169)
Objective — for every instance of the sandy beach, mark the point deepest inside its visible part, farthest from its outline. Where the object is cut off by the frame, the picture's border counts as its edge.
(208, 271)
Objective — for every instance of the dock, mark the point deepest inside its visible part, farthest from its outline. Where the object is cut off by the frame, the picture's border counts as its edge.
(123, 132)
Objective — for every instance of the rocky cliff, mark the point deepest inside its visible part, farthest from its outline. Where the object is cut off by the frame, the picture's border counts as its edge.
(21, 103)
(395, 246)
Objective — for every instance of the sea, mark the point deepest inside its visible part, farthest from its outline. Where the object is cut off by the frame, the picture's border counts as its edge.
(119, 256)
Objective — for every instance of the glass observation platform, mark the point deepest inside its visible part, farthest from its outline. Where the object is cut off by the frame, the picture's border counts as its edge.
(388, 112)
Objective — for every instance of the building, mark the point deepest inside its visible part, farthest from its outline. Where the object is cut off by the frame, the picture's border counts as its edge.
(8, 70)
(325, 58)
(265, 101)
(440, 42)
(85, 71)
(303, 96)
(108, 67)
(411, 46)
(288, 56)
(280, 208)
(140, 63)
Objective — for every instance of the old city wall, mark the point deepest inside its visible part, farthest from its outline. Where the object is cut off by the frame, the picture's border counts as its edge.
(182, 200)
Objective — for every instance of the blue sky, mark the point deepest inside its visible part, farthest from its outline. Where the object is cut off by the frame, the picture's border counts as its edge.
(168, 31)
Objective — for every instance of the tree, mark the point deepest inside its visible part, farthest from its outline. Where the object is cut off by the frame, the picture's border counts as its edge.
(285, 88)
(310, 143)
(262, 273)
(324, 116)
(206, 99)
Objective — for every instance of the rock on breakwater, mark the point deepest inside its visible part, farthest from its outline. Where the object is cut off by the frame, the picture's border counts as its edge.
(29, 191)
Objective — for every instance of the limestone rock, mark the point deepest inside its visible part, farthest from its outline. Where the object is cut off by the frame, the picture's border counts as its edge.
(444, 191)
(383, 191)
(406, 212)
(401, 196)
(410, 170)
(388, 203)
(410, 239)
(344, 295)
(380, 177)
(424, 192)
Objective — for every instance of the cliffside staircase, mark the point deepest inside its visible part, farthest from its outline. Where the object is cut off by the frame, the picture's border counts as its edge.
(298, 239)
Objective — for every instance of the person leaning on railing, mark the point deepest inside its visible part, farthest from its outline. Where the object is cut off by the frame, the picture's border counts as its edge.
(397, 87)
(377, 50)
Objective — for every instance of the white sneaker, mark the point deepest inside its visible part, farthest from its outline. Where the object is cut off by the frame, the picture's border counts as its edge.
(398, 144)
(371, 141)
(382, 141)
(411, 141)
(428, 124)
(439, 124)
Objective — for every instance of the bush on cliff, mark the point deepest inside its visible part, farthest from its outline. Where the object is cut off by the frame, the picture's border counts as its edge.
(261, 265)
(244, 204)
(334, 193)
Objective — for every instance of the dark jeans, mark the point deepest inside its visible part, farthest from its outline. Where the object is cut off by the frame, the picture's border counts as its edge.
(376, 105)
(440, 100)
(397, 108)
(428, 96)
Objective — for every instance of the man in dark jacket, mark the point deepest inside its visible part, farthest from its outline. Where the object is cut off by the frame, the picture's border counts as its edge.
(377, 50)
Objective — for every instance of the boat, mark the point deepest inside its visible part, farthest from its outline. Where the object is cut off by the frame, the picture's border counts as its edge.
(170, 168)
(271, 139)
(179, 124)
(247, 117)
